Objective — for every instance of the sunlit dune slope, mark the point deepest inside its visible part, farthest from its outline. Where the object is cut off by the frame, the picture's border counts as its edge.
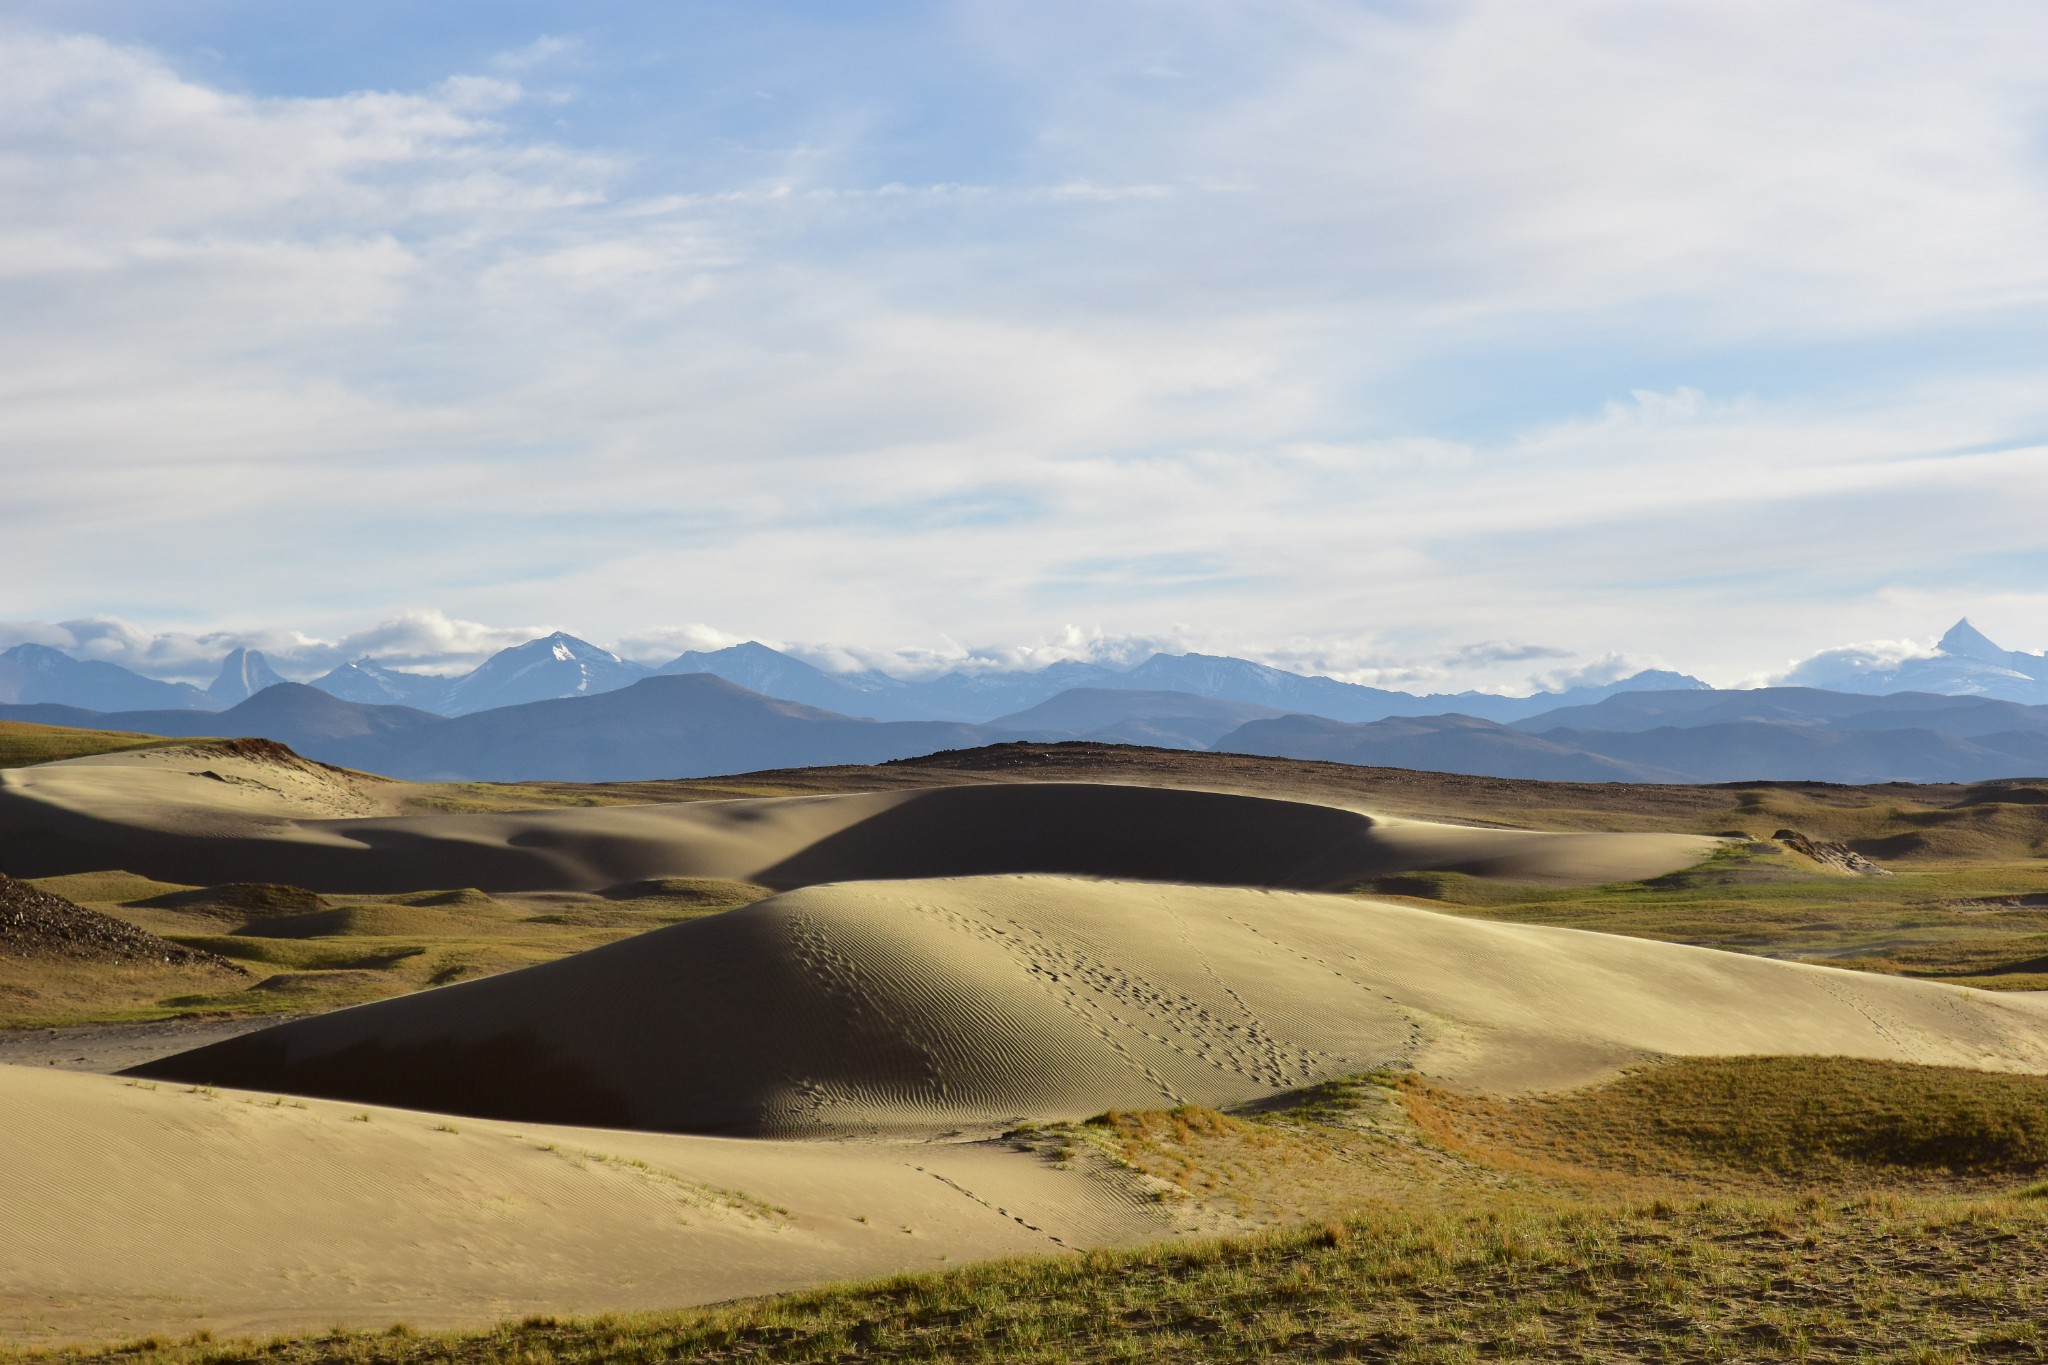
(200, 816)
(919, 1006)
(132, 1209)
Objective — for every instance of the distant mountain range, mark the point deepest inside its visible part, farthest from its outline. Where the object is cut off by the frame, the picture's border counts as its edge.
(560, 707)
(1965, 663)
(697, 724)
(38, 673)
(1773, 733)
(559, 665)
(659, 727)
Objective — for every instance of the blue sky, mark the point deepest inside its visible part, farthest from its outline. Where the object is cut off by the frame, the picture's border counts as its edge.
(1430, 345)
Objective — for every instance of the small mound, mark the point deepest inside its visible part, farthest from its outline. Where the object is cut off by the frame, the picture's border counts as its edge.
(112, 887)
(322, 984)
(706, 892)
(378, 919)
(923, 1006)
(38, 923)
(466, 896)
(246, 900)
(1734, 1121)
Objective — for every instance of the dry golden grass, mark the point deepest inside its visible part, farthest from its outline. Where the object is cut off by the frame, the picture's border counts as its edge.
(1855, 1280)
(23, 744)
(1761, 1125)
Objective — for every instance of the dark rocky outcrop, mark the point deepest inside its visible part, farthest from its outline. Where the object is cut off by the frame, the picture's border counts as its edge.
(39, 923)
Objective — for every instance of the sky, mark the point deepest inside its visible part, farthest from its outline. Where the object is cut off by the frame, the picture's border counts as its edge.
(1431, 345)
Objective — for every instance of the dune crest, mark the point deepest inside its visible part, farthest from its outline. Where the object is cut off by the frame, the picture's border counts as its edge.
(141, 812)
(922, 1006)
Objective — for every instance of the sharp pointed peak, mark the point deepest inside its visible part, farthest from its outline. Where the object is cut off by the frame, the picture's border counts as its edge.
(1965, 638)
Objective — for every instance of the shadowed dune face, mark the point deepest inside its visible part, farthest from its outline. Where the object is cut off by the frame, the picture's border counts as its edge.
(921, 1006)
(1133, 833)
(199, 819)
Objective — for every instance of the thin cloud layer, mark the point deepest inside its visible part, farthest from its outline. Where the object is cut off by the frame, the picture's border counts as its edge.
(423, 641)
(1338, 335)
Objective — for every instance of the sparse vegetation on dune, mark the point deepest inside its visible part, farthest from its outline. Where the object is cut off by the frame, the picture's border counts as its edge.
(23, 743)
(1968, 923)
(1758, 1124)
(1563, 1229)
(307, 953)
(1865, 1279)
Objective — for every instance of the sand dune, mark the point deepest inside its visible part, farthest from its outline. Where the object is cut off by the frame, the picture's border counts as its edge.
(134, 1210)
(919, 1006)
(200, 816)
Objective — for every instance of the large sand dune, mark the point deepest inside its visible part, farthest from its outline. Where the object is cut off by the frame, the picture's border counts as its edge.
(919, 1006)
(199, 816)
(129, 1211)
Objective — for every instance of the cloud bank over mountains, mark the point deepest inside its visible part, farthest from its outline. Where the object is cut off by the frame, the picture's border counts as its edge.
(1963, 661)
(432, 642)
(1352, 334)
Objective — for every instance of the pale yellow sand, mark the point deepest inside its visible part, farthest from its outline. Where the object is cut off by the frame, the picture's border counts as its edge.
(188, 816)
(129, 1211)
(912, 1007)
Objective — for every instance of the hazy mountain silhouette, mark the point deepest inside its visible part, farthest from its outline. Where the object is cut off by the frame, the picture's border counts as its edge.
(553, 666)
(1167, 720)
(38, 673)
(1445, 744)
(366, 680)
(689, 725)
(243, 674)
(1716, 751)
(772, 673)
(1798, 706)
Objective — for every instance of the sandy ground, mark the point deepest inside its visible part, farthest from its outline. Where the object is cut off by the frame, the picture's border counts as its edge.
(106, 1048)
(133, 1209)
(911, 1007)
(185, 815)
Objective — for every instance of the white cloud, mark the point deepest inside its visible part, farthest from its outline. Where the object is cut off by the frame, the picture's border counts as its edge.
(657, 645)
(1847, 666)
(423, 640)
(1154, 374)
